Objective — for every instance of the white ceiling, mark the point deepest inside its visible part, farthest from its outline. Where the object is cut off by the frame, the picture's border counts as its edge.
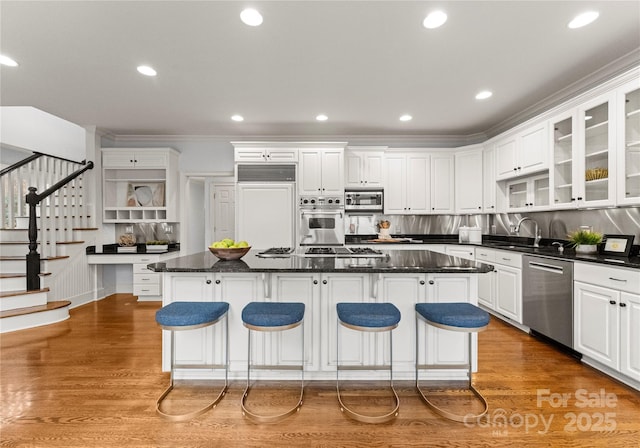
(363, 63)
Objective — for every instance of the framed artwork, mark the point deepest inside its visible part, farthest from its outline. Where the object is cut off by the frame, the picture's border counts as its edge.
(617, 245)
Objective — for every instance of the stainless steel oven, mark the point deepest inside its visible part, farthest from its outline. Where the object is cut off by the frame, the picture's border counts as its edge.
(321, 221)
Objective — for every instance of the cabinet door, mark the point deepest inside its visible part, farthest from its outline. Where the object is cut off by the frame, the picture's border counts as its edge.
(628, 106)
(310, 179)
(151, 160)
(563, 154)
(509, 292)
(468, 179)
(630, 335)
(416, 184)
(444, 346)
(489, 186)
(285, 346)
(355, 347)
(354, 175)
(486, 289)
(373, 172)
(442, 184)
(404, 291)
(533, 148)
(395, 185)
(277, 155)
(118, 160)
(595, 324)
(518, 195)
(332, 172)
(194, 346)
(596, 169)
(250, 155)
(506, 162)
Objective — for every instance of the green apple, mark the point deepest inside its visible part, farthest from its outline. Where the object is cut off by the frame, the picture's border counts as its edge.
(228, 241)
(242, 244)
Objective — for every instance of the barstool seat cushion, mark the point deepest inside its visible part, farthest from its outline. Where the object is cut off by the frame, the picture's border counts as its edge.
(186, 314)
(272, 314)
(461, 315)
(368, 315)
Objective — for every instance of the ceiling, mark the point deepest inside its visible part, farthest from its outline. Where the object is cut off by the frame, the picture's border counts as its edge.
(362, 63)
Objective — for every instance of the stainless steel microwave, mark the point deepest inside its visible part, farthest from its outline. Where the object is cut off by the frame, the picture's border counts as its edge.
(363, 200)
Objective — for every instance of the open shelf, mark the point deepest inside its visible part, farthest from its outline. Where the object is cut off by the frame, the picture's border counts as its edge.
(564, 137)
(563, 162)
(633, 112)
(633, 144)
(597, 153)
(596, 126)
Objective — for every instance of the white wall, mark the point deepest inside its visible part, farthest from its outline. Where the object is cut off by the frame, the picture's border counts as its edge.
(35, 130)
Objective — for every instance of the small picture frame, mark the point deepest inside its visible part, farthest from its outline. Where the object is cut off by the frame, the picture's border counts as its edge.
(616, 245)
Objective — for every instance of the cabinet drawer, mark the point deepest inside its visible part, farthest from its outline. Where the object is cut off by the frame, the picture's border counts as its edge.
(483, 254)
(609, 277)
(147, 290)
(466, 252)
(141, 268)
(506, 258)
(151, 278)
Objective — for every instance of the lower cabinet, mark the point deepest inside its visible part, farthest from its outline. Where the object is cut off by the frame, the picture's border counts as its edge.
(501, 289)
(606, 326)
(320, 292)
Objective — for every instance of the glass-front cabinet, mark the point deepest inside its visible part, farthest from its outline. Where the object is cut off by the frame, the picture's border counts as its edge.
(529, 193)
(629, 145)
(595, 122)
(563, 147)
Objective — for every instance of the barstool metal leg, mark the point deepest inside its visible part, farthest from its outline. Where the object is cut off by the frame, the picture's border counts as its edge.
(190, 415)
(351, 413)
(443, 412)
(258, 418)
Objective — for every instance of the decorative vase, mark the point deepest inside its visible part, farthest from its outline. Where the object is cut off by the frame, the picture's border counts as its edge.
(586, 248)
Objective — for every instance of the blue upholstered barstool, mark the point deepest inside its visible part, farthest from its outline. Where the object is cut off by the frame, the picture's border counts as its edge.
(180, 316)
(273, 316)
(454, 317)
(369, 317)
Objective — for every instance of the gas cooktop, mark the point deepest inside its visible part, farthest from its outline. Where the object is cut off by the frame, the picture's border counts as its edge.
(342, 252)
(276, 252)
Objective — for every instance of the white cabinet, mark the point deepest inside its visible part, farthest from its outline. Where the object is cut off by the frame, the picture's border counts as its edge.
(501, 289)
(607, 317)
(321, 172)
(468, 181)
(528, 193)
(465, 252)
(523, 153)
(629, 144)
(139, 185)
(418, 183)
(147, 285)
(563, 148)
(261, 154)
(364, 167)
(489, 188)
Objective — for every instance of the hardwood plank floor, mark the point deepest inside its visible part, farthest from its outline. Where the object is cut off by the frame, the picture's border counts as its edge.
(92, 381)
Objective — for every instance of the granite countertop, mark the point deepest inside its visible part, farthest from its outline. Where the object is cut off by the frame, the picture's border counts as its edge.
(510, 243)
(397, 261)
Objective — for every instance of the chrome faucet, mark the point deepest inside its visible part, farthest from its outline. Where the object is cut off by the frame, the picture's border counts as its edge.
(537, 235)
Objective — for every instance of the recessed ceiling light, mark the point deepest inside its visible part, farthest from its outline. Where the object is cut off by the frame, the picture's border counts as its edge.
(146, 70)
(406, 117)
(251, 17)
(435, 19)
(322, 117)
(484, 95)
(583, 19)
(237, 118)
(6, 60)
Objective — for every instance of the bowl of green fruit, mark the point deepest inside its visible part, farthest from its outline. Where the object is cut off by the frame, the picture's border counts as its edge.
(227, 249)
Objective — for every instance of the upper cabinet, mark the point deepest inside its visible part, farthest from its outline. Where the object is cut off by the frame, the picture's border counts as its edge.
(364, 167)
(321, 171)
(275, 155)
(139, 185)
(418, 183)
(489, 190)
(629, 144)
(468, 181)
(522, 153)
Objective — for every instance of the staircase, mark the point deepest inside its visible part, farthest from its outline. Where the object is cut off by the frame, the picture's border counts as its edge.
(64, 230)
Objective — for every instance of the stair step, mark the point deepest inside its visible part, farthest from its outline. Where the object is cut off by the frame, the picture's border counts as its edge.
(21, 298)
(24, 258)
(13, 281)
(38, 242)
(34, 316)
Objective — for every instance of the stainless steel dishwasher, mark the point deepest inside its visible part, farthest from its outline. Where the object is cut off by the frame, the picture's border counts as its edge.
(547, 297)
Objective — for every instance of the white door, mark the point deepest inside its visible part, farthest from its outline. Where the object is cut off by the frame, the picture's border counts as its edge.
(395, 185)
(468, 176)
(630, 334)
(509, 292)
(441, 183)
(223, 208)
(333, 172)
(417, 183)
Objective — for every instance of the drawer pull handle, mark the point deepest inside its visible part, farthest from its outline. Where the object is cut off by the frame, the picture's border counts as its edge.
(506, 259)
(208, 282)
(617, 279)
(612, 302)
(217, 282)
(315, 282)
(146, 279)
(422, 282)
(324, 282)
(622, 304)
(431, 282)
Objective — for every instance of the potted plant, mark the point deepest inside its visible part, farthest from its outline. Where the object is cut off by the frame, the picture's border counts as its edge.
(585, 241)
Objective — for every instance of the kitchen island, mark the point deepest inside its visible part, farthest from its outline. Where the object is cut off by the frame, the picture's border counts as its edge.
(401, 277)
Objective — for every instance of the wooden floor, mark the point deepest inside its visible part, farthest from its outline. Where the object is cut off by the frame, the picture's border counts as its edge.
(92, 381)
